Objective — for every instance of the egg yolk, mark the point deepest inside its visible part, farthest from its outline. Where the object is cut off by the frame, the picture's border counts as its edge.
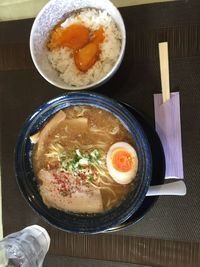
(86, 57)
(98, 36)
(75, 36)
(122, 160)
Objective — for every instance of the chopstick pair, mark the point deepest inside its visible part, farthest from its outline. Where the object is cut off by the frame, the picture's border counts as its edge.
(168, 127)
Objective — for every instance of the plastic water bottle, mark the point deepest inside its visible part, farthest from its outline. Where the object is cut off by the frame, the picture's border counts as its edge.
(26, 248)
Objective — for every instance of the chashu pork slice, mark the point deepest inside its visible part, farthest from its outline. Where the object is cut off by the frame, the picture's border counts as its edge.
(89, 200)
(48, 128)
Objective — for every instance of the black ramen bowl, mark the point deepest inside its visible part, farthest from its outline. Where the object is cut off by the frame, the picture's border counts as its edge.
(81, 222)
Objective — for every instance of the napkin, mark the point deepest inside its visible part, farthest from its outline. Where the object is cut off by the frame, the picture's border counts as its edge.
(168, 127)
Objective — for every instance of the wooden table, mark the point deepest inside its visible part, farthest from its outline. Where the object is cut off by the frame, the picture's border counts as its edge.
(169, 234)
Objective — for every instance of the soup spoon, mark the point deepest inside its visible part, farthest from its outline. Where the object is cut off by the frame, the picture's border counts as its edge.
(175, 188)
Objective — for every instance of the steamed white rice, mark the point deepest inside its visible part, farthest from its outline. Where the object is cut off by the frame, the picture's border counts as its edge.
(62, 58)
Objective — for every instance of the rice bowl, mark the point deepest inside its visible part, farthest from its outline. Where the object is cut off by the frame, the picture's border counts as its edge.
(62, 60)
(57, 66)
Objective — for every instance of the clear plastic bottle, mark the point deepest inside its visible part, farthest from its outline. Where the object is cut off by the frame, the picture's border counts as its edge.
(26, 248)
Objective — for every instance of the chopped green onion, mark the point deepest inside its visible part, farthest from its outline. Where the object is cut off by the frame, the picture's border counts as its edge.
(95, 153)
(90, 178)
(78, 153)
(62, 156)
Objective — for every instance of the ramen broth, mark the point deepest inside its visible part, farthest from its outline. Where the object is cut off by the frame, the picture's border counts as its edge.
(69, 158)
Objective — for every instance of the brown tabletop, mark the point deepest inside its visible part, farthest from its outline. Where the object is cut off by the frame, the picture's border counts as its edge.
(169, 233)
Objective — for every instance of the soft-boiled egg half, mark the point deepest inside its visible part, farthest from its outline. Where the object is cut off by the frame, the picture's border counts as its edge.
(122, 162)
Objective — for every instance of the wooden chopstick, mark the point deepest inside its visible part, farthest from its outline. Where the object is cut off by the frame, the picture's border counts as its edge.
(164, 70)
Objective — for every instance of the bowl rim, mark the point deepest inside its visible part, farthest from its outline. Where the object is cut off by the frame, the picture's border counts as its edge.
(85, 87)
(45, 212)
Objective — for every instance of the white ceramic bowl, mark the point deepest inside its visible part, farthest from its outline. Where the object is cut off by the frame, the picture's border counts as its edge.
(51, 14)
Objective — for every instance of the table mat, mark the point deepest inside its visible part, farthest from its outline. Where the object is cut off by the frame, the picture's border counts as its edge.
(22, 89)
(163, 221)
(1, 222)
(76, 262)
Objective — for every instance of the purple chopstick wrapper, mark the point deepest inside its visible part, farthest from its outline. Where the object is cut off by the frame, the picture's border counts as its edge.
(168, 127)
